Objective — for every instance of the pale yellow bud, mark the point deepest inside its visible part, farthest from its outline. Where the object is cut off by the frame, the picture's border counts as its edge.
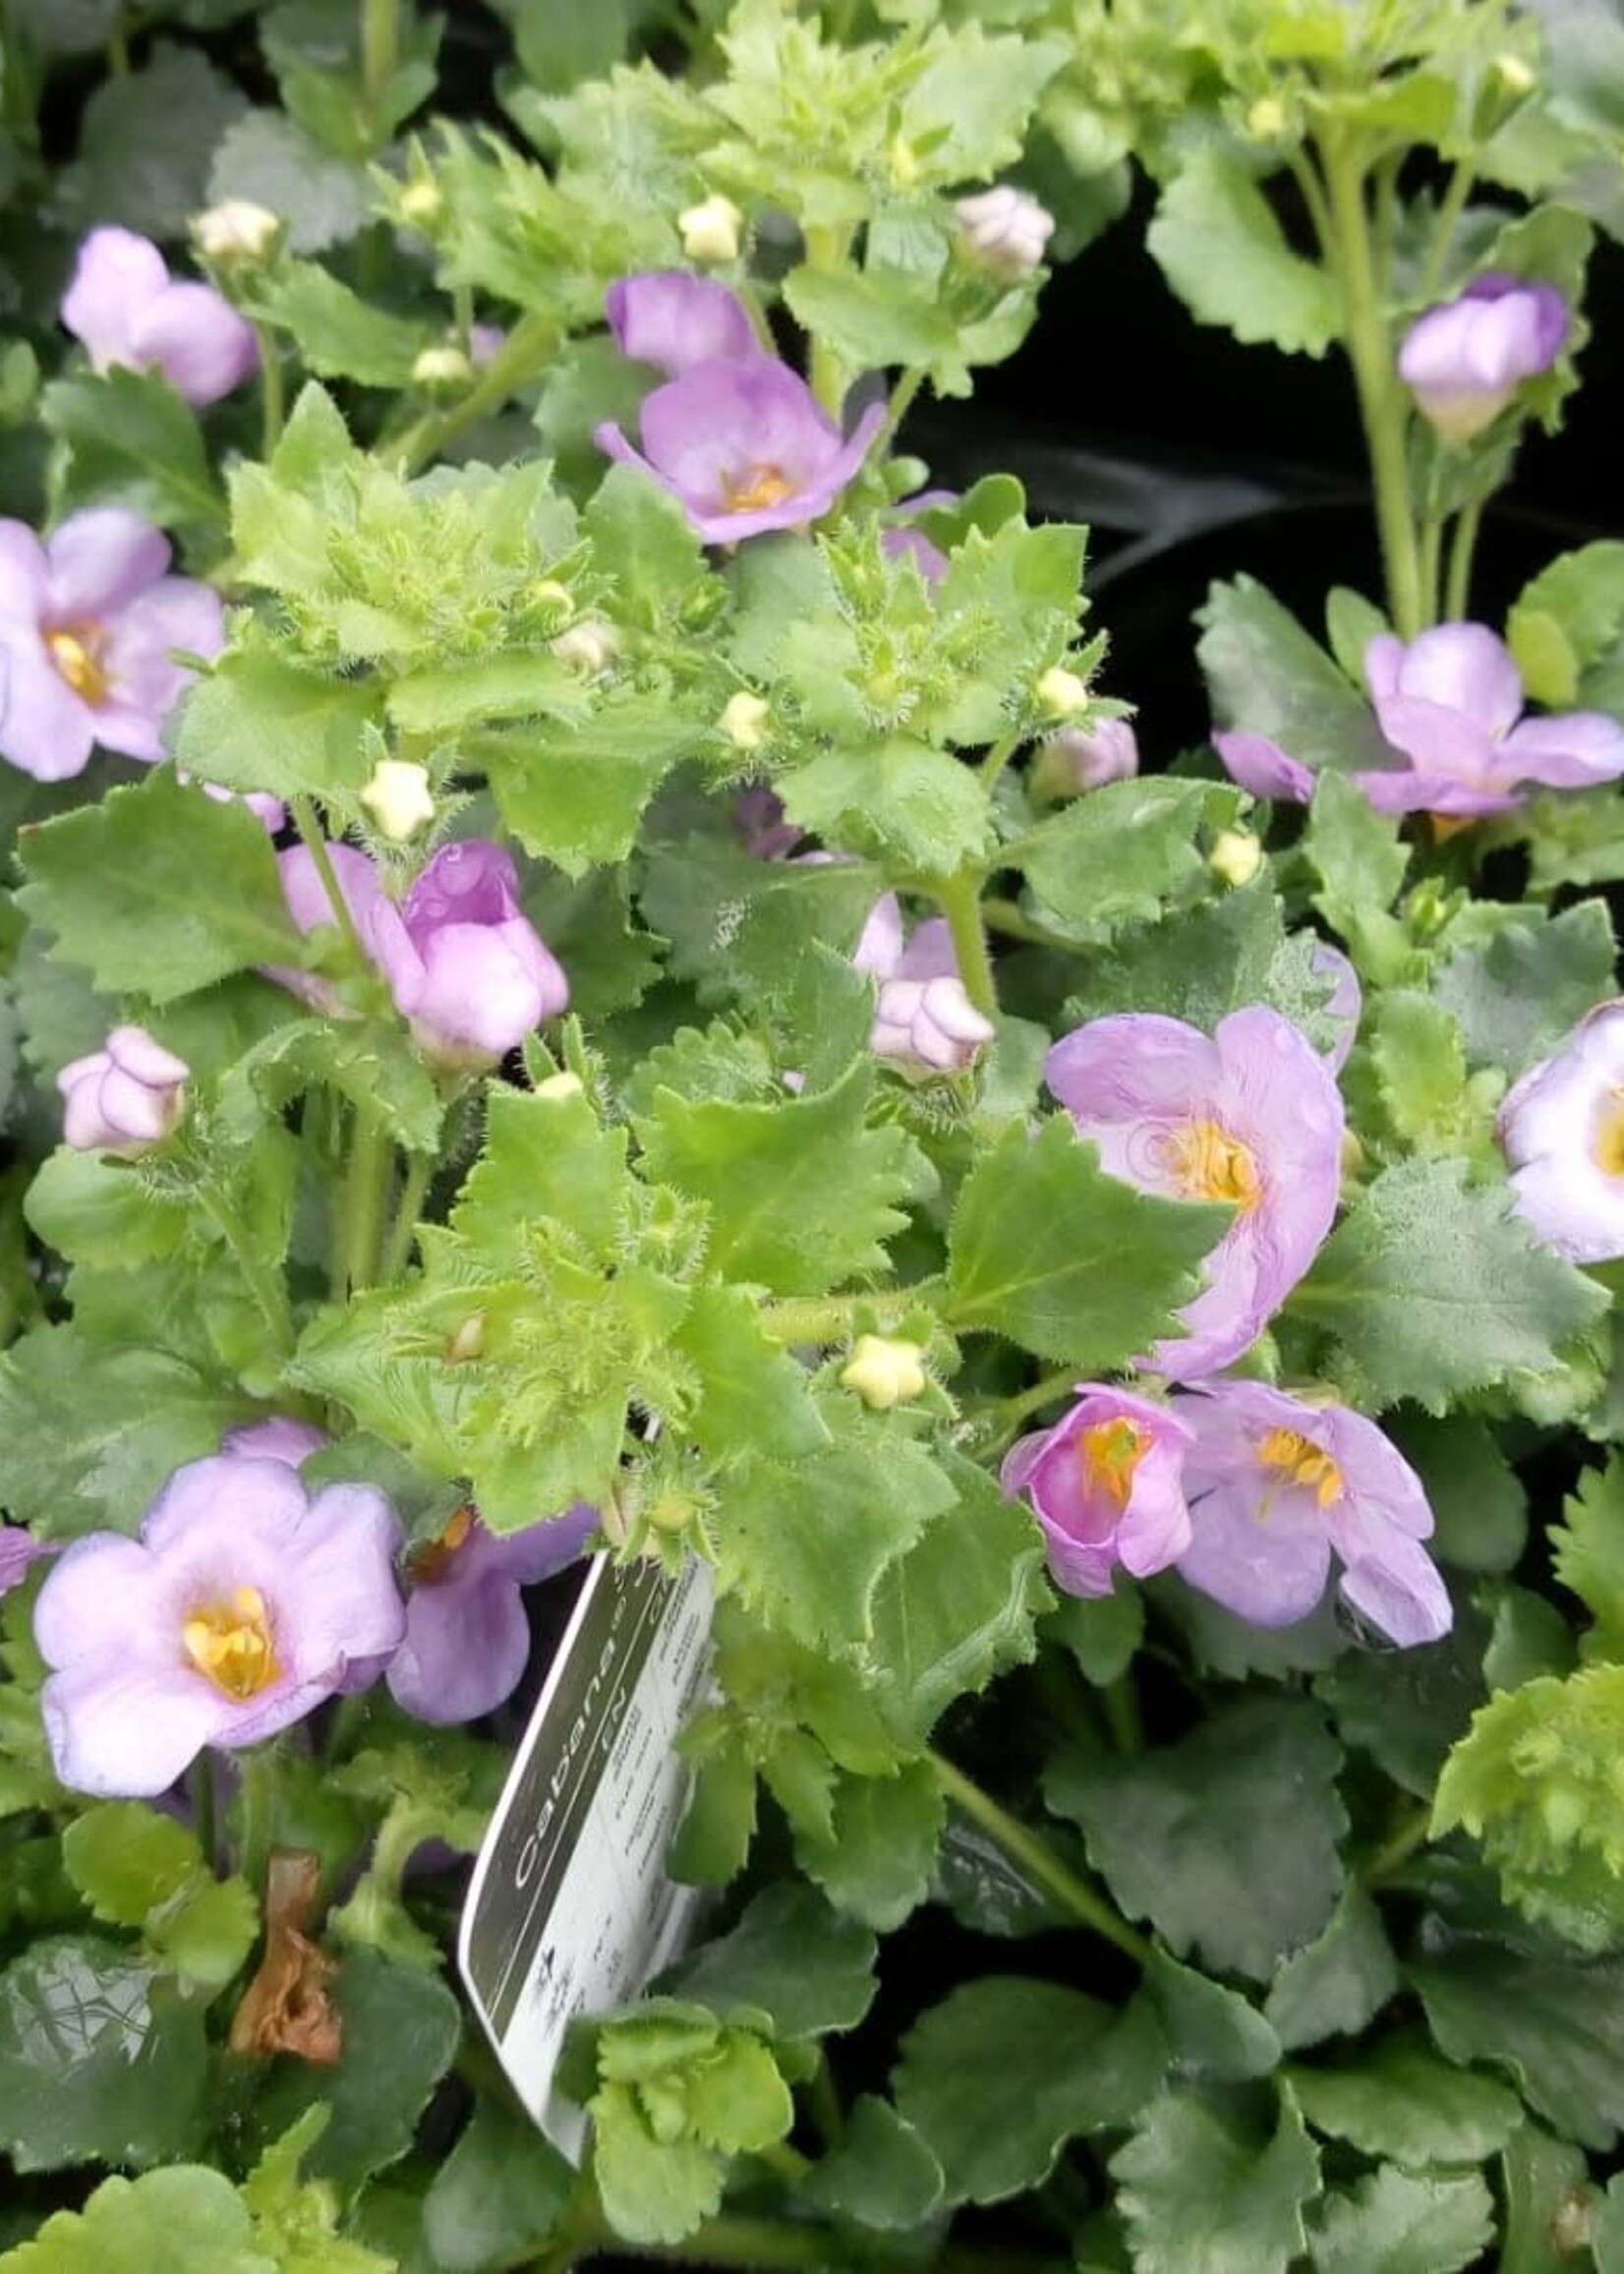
(1266, 119)
(398, 798)
(236, 232)
(1237, 856)
(468, 1342)
(560, 1085)
(1061, 693)
(589, 647)
(421, 202)
(902, 164)
(1514, 75)
(884, 1371)
(441, 367)
(711, 231)
(745, 720)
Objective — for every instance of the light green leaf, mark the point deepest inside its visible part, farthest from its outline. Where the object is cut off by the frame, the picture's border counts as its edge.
(1118, 854)
(1546, 2192)
(184, 2219)
(255, 722)
(796, 1964)
(1518, 995)
(268, 160)
(1361, 864)
(337, 333)
(899, 802)
(125, 1859)
(1217, 241)
(751, 1390)
(1403, 2102)
(1587, 1550)
(132, 441)
(1205, 2190)
(1399, 2223)
(1568, 619)
(877, 1860)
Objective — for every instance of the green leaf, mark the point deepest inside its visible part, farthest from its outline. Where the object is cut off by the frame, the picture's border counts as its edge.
(1101, 1632)
(1071, 1262)
(1546, 2191)
(878, 1858)
(206, 1930)
(1267, 676)
(1421, 1074)
(368, 1061)
(125, 1859)
(132, 441)
(101, 2058)
(256, 722)
(1356, 852)
(1399, 2223)
(1118, 854)
(881, 315)
(751, 1390)
(96, 1210)
(133, 168)
(337, 333)
(158, 890)
(1555, 2020)
(186, 2220)
(1405, 1709)
(1430, 1287)
(1477, 1498)
(1199, 965)
(801, 1194)
(1517, 996)
(1211, 2031)
(498, 2196)
(1568, 619)
(1337, 1984)
(1004, 2070)
(791, 1967)
(879, 2173)
(899, 802)
(652, 2190)
(1217, 241)
(1176, 1833)
(1588, 1551)
(267, 158)
(1402, 2102)
(1207, 2189)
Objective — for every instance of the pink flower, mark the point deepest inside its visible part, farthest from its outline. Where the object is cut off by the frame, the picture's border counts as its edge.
(924, 1022)
(674, 321)
(1263, 769)
(1561, 1128)
(1465, 359)
(243, 1605)
(19, 1550)
(1078, 759)
(1105, 1486)
(124, 1098)
(1249, 1115)
(127, 308)
(87, 624)
(1276, 1487)
(467, 1634)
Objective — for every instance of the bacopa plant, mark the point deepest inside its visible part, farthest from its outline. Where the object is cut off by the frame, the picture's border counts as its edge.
(599, 979)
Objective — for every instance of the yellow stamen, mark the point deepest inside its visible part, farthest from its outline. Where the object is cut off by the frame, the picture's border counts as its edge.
(77, 655)
(1212, 1165)
(1300, 1461)
(231, 1642)
(433, 1559)
(1607, 1141)
(1111, 1453)
(761, 485)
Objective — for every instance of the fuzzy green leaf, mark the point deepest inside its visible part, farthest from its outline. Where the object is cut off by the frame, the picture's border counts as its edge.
(1199, 2167)
(1212, 2032)
(1398, 2222)
(1267, 676)
(1217, 241)
(877, 1858)
(255, 722)
(125, 1859)
(879, 2173)
(1587, 1549)
(184, 2219)
(1518, 995)
(1337, 1984)
(498, 2194)
(796, 1964)
(1118, 855)
(132, 440)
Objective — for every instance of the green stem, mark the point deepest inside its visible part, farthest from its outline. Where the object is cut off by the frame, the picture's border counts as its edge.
(397, 1247)
(999, 756)
(199, 1785)
(827, 250)
(822, 1318)
(908, 383)
(1450, 210)
(1038, 1859)
(1428, 557)
(960, 900)
(1121, 1713)
(1009, 1411)
(272, 389)
(1463, 544)
(527, 347)
(267, 1286)
(1005, 916)
(824, 2102)
(366, 1193)
(118, 52)
(379, 60)
(257, 1812)
(316, 844)
(1383, 409)
(1395, 1852)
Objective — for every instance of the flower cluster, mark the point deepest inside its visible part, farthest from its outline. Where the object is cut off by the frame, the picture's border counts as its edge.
(924, 1022)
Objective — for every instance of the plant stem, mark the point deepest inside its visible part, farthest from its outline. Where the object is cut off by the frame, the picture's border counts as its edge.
(397, 1247)
(1431, 549)
(273, 392)
(822, 1318)
(380, 59)
(1452, 207)
(1394, 1851)
(1009, 1411)
(199, 1785)
(527, 347)
(1036, 1857)
(1456, 589)
(960, 900)
(827, 250)
(316, 844)
(1382, 409)
(1003, 917)
(999, 756)
(1121, 1701)
(366, 1191)
(908, 383)
(267, 1286)
(257, 1806)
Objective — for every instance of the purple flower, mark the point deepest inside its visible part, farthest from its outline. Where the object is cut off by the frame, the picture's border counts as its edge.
(241, 1606)
(1105, 1484)
(1263, 769)
(124, 1098)
(759, 819)
(18, 1551)
(744, 448)
(1562, 1131)
(1276, 1487)
(1465, 360)
(1249, 1115)
(1345, 1004)
(279, 1437)
(1079, 758)
(910, 543)
(674, 321)
(87, 622)
(924, 1022)
(467, 1635)
(127, 308)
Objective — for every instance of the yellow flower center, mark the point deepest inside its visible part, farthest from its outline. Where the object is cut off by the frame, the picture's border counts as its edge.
(1212, 1165)
(1300, 1461)
(76, 651)
(432, 1560)
(761, 485)
(1111, 1453)
(231, 1642)
(1607, 1143)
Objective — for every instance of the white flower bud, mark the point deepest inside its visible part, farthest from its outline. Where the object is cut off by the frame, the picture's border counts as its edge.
(589, 647)
(744, 721)
(1077, 759)
(711, 231)
(1514, 75)
(1005, 229)
(441, 367)
(1237, 856)
(559, 1085)
(398, 798)
(884, 1371)
(1061, 693)
(236, 232)
(467, 1342)
(421, 204)
(1266, 119)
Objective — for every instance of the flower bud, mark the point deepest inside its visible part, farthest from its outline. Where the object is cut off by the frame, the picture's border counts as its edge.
(744, 720)
(1237, 856)
(398, 798)
(124, 1098)
(237, 233)
(468, 1342)
(441, 367)
(927, 1025)
(1004, 230)
(1061, 694)
(421, 204)
(902, 164)
(1266, 119)
(1078, 759)
(589, 647)
(711, 231)
(884, 1371)
(564, 1084)
(1463, 361)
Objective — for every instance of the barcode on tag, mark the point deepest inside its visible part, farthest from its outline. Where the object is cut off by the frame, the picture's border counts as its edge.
(570, 1910)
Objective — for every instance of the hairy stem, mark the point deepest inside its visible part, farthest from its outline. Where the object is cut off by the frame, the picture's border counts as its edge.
(960, 900)
(265, 1284)
(366, 1198)
(272, 390)
(397, 1247)
(824, 1318)
(523, 354)
(316, 844)
(1457, 590)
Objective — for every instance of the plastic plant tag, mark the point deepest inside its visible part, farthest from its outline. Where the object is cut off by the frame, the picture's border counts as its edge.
(570, 1909)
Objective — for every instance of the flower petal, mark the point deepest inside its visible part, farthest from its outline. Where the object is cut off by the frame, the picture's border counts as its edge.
(121, 1729)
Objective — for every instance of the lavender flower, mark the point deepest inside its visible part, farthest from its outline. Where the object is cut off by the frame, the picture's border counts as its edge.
(124, 1098)
(674, 321)
(279, 1437)
(127, 309)
(1276, 1487)
(1561, 1128)
(87, 622)
(744, 447)
(1465, 360)
(1263, 769)
(467, 1635)
(1105, 1486)
(1345, 1004)
(1250, 1116)
(241, 1606)
(463, 961)
(18, 1551)
(910, 543)
(1079, 758)
(924, 1022)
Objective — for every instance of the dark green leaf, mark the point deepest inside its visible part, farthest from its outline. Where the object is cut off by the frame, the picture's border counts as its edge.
(498, 2196)
(1517, 996)
(790, 1959)
(1555, 2020)
(1118, 854)
(133, 168)
(880, 2173)
(1207, 2189)
(877, 1860)
(132, 441)
(1397, 2223)
(1337, 1984)
(1267, 676)
(1401, 2101)
(1211, 2031)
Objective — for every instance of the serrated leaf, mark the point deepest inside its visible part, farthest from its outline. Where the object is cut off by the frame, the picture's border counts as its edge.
(1587, 1550)
(1177, 1832)
(1217, 241)
(1403, 2102)
(1199, 965)
(1074, 1264)
(1398, 2222)
(503, 2190)
(1517, 996)
(1555, 2020)
(791, 1959)
(255, 722)
(1004, 2070)
(1118, 854)
(133, 168)
(1405, 1709)
(268, 160)
(899, 802)
(878, 1858)
(368, 1061)
(879, 2173)
(1204, 2190)
(1420, 1071)
(652, 2190)
(1211, 2031)
(751, 1390)
(206, 1929)
(1267, 676)
(1337, 1984)
(337, 333)
(132, 441)
(125, 1859)
(1358, 856)
(1430, 1287)
(186, 2219)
